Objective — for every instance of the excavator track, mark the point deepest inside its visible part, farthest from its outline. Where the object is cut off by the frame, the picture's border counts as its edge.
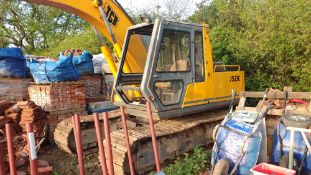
(174, 137)
(64, 138)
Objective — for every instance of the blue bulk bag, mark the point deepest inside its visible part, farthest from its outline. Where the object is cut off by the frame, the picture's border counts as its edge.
(13, 63)
(82, 63)
(51, 71)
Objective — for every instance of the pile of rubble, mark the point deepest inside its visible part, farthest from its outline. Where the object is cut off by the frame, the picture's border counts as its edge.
(298, 105)
(18, 115)
(31, 113)
(9, 113)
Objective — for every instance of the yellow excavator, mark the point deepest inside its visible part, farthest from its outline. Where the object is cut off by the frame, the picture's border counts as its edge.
(166, 63)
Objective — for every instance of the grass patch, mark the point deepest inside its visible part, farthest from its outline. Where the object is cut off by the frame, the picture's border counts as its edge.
(194, 163)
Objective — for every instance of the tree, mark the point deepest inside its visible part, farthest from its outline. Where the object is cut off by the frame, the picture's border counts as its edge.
(270, 39)
(84, 41)
(31, 26)
(177, 10)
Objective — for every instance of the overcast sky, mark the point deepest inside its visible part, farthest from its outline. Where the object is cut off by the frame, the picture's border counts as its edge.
(137, 5)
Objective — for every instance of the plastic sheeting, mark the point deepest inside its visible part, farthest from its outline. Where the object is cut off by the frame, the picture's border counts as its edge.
(13, 63)
(98, 61)
(82, 63)
(50, 71)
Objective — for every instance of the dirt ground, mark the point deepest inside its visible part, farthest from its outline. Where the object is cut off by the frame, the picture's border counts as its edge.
(66, 164)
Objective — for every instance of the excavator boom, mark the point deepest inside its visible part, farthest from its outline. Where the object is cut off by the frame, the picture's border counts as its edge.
(115, 32)
(118, 18)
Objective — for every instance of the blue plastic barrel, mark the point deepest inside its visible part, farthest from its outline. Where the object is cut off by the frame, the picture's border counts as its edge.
(299, 148)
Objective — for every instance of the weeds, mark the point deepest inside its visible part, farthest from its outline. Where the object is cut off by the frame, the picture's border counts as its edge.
(192, 164)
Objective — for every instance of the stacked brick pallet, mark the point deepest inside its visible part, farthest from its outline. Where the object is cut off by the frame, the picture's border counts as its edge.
(14, 89)
(93, 85)
(61, 100)
(107, 86)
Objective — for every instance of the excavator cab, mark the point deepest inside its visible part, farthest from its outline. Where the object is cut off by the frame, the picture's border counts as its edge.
(173, 66)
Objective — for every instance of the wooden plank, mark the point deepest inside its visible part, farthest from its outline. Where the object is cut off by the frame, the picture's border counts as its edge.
(14, 80)
(276, 112)
(246, 108)
(242, 101)
(69, 111)
(291, 95)
(304, 113)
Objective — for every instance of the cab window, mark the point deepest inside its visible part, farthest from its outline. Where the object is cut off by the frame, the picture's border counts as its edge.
(174, 55)
(199, 57)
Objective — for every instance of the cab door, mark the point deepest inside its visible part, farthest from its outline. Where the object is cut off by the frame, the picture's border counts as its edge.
(171, 66)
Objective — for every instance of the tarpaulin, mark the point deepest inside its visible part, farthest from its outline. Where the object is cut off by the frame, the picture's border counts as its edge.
(82, 62)
(53, 71)
(13, 63)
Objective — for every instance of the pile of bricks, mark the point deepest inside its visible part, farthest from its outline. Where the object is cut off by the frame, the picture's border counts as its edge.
(14, 89)
(107, 86)
(31, 113)
(3, 146)
(93, 85)
(9, 113)
(18, 114)
(61, 100)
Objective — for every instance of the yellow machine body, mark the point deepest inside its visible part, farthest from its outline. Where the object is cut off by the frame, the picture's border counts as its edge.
(138, 79)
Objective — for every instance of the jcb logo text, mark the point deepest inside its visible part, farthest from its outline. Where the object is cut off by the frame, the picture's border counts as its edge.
(111, 15)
